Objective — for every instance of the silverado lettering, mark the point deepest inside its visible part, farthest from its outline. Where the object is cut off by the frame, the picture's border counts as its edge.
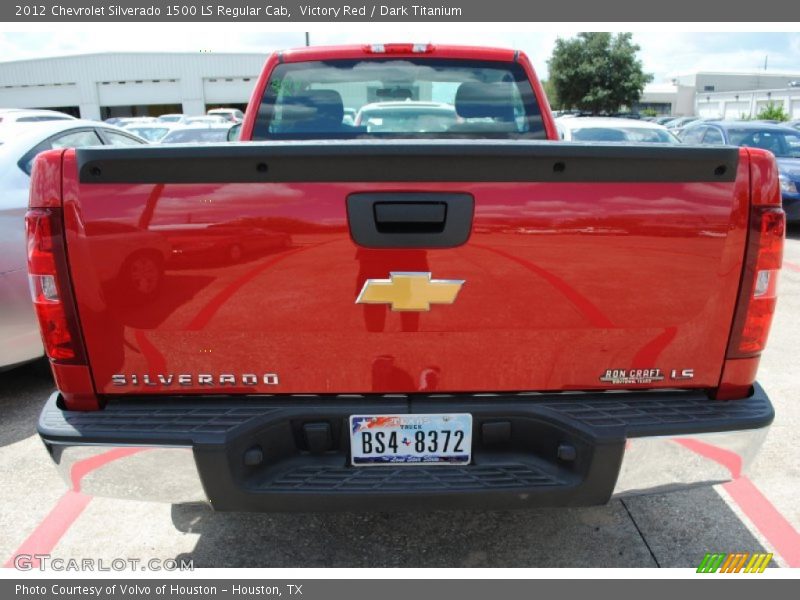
(120, 379)
(405, 239)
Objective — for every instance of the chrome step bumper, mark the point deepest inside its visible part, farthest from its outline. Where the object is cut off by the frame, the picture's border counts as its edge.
(192, 449)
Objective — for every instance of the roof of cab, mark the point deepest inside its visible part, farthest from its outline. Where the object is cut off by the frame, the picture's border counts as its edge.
(397, 50)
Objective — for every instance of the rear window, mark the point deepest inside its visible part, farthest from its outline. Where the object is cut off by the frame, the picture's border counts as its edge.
(398, 98)
(782, 143)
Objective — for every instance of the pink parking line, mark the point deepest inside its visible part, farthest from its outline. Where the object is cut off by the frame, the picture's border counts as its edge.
(52, 528)
(763, 514)
(791, 266)
(69, 507)
(775, 528)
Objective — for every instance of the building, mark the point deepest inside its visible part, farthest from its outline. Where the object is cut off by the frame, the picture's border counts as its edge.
(723, 94)
(123, 84)
(99, 86)
(747, 103)
(667, 99)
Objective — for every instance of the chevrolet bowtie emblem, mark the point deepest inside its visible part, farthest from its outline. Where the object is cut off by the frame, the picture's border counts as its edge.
(409, 291)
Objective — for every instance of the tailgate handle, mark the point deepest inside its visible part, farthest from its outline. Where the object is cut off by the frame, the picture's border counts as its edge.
(410, 220)
(410, 217)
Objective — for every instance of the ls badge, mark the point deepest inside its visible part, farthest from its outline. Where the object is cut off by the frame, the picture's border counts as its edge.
(410, 291)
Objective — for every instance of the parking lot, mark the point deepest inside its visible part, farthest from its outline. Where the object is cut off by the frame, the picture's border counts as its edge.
(755, 514)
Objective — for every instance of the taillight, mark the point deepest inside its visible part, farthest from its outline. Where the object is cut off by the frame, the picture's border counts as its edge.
(49, 278)
(767, 230)
(45, 239)
(399, 48)
(758, 302)
(758, 291)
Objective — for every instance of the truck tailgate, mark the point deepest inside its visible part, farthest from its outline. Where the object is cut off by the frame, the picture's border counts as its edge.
(233, 270)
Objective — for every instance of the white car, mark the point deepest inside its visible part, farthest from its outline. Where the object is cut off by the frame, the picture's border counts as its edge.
(208, 120)
(231, 115)
(128, 121)
(406, 116)
(20, 340)
(31, 115)
(198, 134)
(613, 129)
(174, 118)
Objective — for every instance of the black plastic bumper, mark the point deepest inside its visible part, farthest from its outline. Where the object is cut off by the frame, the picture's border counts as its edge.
(254, 453)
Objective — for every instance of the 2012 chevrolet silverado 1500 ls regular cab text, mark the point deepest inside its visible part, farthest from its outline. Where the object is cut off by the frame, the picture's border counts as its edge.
(400, 290)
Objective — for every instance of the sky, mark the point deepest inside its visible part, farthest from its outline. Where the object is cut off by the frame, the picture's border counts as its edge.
(663, 53)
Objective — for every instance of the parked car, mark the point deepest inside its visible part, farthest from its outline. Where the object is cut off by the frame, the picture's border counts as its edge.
(152, 132)
(172, 118)
(613, 129)
(677, 125)
(208, 120)
(793, 124)
(126, 121)
(196, 134)
(782, 141)
(20, 340)
(679, 122)
(663, 120)
(407, 116)
(25, 115)
(231, 115)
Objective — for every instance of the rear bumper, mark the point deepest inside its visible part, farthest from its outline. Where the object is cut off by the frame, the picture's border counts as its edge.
(556, 449)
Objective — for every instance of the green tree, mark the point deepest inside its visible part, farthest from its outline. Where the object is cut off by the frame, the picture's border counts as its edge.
(597, 72)
(772, 112)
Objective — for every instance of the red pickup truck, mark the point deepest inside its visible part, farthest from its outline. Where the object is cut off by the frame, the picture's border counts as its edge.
(402, 291)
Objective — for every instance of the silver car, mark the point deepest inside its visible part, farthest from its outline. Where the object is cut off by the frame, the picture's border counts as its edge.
(19, 144)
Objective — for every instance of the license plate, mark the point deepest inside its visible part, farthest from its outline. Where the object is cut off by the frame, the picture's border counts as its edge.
(411, 439)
